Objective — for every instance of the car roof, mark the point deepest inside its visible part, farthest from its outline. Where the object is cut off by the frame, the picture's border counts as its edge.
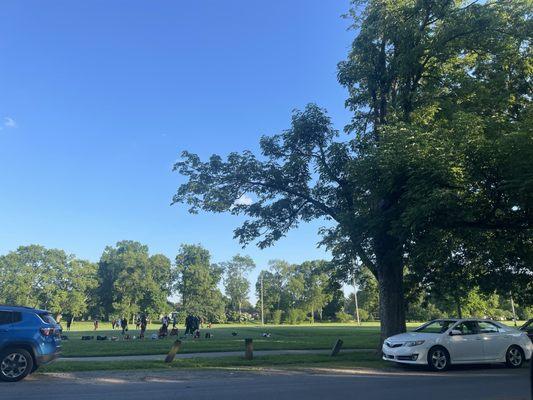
(6, 307)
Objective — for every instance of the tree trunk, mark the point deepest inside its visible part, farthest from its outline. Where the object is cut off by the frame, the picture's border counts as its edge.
(391, 302)
(389, 268)
(459, 308)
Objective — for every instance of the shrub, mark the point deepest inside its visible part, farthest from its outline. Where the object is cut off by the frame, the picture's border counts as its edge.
(295, 316)
(341, 316)
(364, 315)
(276, 317)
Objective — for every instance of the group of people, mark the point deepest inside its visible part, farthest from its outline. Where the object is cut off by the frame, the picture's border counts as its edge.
(192, 325)
(121, 323)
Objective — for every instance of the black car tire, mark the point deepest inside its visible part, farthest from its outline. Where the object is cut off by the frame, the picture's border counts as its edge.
(514, 357)
(438, 359)
(15, 364)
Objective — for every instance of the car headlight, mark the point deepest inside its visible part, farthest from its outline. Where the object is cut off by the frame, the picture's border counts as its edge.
(414, 343)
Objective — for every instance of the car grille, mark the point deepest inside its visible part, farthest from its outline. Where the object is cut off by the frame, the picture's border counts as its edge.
(393, 345)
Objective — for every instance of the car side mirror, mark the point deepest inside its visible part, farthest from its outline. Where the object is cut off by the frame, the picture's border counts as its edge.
(455, 332)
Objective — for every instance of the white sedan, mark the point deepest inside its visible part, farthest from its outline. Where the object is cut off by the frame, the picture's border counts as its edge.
(443, 342)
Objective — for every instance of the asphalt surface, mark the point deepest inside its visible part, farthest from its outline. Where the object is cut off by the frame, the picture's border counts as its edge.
(462, 384)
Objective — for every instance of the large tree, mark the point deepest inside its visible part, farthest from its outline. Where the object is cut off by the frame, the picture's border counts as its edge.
(440, 139)
(196, 281)
(132, 281)
(236, 284)
(46, 278)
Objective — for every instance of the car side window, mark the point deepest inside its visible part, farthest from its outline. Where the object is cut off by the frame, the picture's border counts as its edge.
(487, 327)
(467, 328)
(6, 317)
(17, 317)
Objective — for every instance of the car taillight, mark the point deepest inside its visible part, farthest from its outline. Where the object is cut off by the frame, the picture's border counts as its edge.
(47, 331)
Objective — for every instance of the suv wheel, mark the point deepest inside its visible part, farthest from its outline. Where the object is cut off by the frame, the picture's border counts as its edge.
(15, 364)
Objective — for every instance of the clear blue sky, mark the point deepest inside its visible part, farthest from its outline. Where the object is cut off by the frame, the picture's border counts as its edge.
(97, 100)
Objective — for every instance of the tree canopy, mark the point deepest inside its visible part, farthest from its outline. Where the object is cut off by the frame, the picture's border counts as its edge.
(440, 145)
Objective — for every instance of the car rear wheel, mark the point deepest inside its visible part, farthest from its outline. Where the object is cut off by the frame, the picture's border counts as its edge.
(514, 358)
(438, 359)
(15, 364)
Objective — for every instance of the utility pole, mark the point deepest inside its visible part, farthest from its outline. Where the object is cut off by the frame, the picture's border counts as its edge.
(512, 308)
(262, 308)
(356, 304)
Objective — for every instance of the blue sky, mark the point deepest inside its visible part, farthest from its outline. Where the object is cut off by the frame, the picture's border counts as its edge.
(97, 100)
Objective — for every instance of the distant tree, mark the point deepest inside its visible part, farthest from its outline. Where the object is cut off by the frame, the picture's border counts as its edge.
(130, 281)
(236, 284)
(46, 278)
(196, 281)
(316, 286)
(271, 293)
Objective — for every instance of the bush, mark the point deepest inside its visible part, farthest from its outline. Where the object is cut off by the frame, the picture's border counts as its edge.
(364, 315)
(341, 316)
(295, 316)
(276, 317)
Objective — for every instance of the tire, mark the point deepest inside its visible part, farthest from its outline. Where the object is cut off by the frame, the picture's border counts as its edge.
(438, 359)
(15, 364)
(514, 357)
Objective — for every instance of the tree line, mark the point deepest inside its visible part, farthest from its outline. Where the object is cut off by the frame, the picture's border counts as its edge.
(430, 185)
(128, 281)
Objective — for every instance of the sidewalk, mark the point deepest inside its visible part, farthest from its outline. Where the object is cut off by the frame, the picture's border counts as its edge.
(161, 357)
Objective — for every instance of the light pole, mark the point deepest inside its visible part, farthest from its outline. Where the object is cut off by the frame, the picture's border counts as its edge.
(262, 308)
(512, 308)
(356, 303)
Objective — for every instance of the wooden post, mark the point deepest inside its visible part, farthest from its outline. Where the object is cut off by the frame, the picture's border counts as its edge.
(336, 348)
(248, 349)
(172, 353)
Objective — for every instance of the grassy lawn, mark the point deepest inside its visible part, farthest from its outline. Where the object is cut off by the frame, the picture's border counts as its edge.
(294, 337)
(347, 360)
(317, 336)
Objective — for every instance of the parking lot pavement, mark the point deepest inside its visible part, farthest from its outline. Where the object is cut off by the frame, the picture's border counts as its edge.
(464, 384)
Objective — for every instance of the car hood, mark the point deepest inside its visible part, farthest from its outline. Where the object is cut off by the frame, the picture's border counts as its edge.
(410, 336)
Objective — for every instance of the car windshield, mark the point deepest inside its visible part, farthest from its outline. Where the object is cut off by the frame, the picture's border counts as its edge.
(439, 326)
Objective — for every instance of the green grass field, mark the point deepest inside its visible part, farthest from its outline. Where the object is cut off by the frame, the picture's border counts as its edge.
(284, 337)
(317, 336)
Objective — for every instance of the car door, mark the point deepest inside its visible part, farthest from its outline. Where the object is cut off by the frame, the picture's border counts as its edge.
(495, 342)
(468, 345)
(6, 318)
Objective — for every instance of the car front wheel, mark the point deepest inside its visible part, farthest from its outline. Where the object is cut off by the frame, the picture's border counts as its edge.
(514, 358)
(438, 359)
(15, 364)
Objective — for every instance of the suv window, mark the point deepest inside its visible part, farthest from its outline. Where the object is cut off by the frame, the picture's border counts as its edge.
(6, 317)
(17, 317)
(467, 328)
(487, 327)
(47, 318)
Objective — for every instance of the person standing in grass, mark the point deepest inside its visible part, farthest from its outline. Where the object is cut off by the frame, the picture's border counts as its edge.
(95, 323)
(144, 322)
(124, 325)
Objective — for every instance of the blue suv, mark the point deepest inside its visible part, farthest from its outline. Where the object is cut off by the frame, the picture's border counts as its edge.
(29, 338)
